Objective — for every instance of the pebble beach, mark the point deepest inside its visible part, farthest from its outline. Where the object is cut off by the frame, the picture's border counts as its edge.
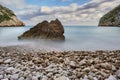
(20, 63)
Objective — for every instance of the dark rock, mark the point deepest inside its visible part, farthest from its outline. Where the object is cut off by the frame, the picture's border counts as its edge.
(45, 30)
(112, 18)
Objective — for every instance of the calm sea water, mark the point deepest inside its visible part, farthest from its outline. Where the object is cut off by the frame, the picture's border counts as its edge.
(77, 38)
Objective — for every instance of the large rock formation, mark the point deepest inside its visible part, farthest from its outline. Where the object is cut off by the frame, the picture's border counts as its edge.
(112, 18)
(8, 18)
(45, 30)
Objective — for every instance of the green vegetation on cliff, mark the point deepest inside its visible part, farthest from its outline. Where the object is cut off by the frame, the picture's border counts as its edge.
(112, 18)
(5, 13)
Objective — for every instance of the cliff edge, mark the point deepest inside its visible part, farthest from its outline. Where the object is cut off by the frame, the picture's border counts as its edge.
(8, 18)
(112, 18)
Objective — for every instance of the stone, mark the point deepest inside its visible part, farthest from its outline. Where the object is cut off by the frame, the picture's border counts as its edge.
(118, 73)
(95, 78)
(15, 76)
(111, 77)
(85, 77)
(62, 78)
(5, 79)
(72, 64)
(9, 70)
(82, 62)
(78, 74)
(106, 66)
(1, 76)
(44, 78)
(1, 61)
(87, 69)
(21, 78)
(112, 18)
(34, 78)
(45, 30)
(7, 61)
(8, 18)
(114, 68)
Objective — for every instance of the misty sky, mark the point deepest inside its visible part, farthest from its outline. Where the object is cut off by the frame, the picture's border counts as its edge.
(70, 12)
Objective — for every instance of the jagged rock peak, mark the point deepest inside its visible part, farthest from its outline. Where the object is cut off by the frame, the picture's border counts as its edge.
(45, 30)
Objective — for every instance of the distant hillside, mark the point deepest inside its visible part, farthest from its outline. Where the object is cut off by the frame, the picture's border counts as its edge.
(112, 18)
(8, 18)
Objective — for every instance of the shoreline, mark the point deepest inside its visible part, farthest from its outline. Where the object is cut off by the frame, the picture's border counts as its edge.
(20, 63)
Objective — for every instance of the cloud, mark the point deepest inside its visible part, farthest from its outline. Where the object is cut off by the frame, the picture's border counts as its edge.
(19, 4)
(73, 14)
(86, 14)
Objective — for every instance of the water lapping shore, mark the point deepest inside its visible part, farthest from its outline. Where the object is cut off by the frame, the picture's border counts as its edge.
(20, 63)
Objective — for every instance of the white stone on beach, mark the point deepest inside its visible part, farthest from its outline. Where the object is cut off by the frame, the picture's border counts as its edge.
(1, 76)
(72, 64)
(111, 77)
(118, 73)
(7, 61)
(45, 78)
(85, 77)
(15, 76)
(5, 79)
(82, 62)
(34, 78)
(113, 68)
(1, 61)
(21, 78)
(62, 78)
(9, 70)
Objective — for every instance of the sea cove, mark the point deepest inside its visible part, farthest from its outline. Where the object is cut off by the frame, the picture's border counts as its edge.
(76, 38)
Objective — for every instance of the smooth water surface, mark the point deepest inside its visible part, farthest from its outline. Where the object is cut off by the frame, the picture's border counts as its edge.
(77, 38)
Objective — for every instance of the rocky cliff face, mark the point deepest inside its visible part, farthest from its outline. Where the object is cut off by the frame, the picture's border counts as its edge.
(112, 18)
(45, 30)
(8, 18)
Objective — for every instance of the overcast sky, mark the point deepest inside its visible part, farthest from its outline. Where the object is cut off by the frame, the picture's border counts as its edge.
(70, 12)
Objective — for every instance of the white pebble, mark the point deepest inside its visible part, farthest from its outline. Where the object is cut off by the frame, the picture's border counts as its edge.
(7, 61)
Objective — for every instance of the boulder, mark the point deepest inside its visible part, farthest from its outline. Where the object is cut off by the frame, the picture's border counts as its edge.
(45, 30)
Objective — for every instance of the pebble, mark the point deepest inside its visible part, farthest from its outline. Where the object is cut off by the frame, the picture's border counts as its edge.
(82, 62)
(114, 68)
(21, 64)
(34, 78)
(9, 70)
(5, 79)
(7, 61)
(72, 64)
(21, 78)
(62, 78)
(15, 76)
(85, 77)
(1, 61)
(118, 73)
(44, 78)
(1, 76)
(111, 77)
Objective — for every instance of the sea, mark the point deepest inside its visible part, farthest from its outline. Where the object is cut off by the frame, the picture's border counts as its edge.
(76, 38)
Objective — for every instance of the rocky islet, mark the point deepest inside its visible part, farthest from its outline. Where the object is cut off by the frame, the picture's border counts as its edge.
(45, 30)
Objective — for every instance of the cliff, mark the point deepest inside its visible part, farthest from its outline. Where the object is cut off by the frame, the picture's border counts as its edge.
(112, 18)
(8, 18)
(45, 30)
